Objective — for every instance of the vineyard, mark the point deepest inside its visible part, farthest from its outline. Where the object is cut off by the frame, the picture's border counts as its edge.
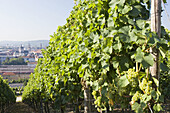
(100, 59)
(7, 97)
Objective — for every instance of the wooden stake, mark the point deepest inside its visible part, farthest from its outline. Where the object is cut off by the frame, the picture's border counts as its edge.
(155, 27)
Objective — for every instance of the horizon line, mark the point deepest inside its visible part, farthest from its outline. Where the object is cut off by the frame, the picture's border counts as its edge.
(24, 40)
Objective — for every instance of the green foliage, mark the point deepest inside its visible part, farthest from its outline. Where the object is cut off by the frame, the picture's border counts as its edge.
(165, 77)
(105, 43)
(14, 61)
(164, 1)
(7, 96)
(19, 81)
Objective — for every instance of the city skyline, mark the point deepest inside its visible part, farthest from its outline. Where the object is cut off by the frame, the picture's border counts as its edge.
(37, 20)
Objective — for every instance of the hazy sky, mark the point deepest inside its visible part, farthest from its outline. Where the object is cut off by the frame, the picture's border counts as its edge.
(32, 19)
(38, 19)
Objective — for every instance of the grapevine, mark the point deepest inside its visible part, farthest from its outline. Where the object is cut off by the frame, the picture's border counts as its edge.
(105, 45)
(7, 96)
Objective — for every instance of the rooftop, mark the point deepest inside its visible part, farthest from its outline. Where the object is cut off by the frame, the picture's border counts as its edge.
(8, 73)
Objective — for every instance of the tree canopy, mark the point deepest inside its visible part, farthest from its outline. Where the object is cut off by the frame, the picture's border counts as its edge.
(14, 61)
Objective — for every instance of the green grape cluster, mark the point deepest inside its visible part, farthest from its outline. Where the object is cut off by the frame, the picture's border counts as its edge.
(135, 97)
(146, 86)
(132, 77)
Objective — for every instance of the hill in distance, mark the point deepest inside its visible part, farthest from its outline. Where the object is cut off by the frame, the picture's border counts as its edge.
(33, 43)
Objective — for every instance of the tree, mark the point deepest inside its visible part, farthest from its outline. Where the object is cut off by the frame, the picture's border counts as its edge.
(14, 61)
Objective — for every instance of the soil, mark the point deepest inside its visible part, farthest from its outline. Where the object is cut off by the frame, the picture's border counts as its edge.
(20, 107)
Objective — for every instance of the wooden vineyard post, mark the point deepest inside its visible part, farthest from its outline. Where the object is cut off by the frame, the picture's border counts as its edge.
(87, 105)
(155, 27)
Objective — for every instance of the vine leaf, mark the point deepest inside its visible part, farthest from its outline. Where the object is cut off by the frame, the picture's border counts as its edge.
(147, 61)
(163, 67)
(126, 9)
(140, 23)
(139, 55)
(157, 107)
(123, 81)
(156, 81)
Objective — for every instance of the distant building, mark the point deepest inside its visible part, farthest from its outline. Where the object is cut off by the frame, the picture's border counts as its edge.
(29, 47)
(37, 54)
(16, 54)
(21, 52)
(32, 64)
(41, 46)
(9, 75)
(16, 72)
(28, 59)
(3, 53)
(37, 57)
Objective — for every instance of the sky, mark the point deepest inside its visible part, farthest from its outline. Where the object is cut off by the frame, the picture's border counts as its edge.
(22, 20)
(165, 19)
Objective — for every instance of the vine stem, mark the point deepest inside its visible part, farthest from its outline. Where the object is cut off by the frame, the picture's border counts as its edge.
(147, 75)
(137, 67)
(150, 108)
(118, 72)
(140, 67)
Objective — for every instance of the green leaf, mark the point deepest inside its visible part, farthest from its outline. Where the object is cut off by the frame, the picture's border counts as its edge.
(140, 23)
(117, 46)
(139, 55)
(131, 21)
(153, 94)
(95, 13)
(162, 51)
(148, 61)
(96, 39)
(157, 107)
(110, 22)
(96, 85)
(124, 29)
(161, 98)
(132, 35)
(123, 81)
(148, 98)
(110, 49)
(164, 1)
(135, 106)
(101, 21)
(84, 66)
(113, 3)
(138, 107)
(105, 65)
(155, 81)
(124, 37)
(153, 39)
(163, 67)
(121, 2)
(124, 62)
(115, 64)
(146, 1)
(134, 12)
(126, 9)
